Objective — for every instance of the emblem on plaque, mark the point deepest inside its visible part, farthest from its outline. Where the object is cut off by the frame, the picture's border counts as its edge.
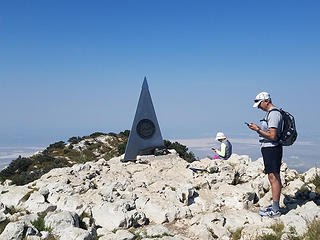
(145, 128)
(145, 132)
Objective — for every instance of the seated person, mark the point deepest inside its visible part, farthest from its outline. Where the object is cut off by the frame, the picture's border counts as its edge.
(225, 148)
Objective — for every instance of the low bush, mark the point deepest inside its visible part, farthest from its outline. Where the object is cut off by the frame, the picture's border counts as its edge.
(39, 224)
(122, 148)
(237, 234)
(316, 182)
(181, 150)
(313, 232)
(74, 140)
(17, 166)
(3, 225)
(97, 134)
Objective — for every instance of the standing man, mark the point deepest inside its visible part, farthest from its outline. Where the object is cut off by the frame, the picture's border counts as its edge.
(271, 149)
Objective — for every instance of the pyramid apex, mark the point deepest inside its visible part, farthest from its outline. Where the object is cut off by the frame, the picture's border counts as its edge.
(145, 83)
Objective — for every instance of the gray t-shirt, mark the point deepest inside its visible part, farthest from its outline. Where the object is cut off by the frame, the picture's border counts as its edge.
(274, 121)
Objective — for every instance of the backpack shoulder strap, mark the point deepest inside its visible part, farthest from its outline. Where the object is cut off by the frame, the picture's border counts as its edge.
(274, 109)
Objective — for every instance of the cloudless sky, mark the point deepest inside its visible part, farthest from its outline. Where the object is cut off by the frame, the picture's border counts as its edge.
(71, 68)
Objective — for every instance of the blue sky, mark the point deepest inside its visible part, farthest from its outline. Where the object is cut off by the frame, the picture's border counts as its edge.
(71, 68)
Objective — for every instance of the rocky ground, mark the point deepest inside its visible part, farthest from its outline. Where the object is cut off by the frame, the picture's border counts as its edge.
(156, 197)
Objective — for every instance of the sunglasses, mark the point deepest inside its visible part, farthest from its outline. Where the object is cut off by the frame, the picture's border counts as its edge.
(257, 100)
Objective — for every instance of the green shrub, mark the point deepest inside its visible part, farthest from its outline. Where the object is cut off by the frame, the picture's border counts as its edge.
(3, 225)
(57, 145)
(74, 140)
(42, 158)
(181, 150)
(113, 134)
(39, 224)
(55, 149)
(313, 232)
(214, 169)
(125, 133)
(97, 134)
(17, 166)
(137, 235)
(237, 234)
(122, 148)
(87, 156)
(278, 228)
(26, 177)
(268, 237)
(316, 182)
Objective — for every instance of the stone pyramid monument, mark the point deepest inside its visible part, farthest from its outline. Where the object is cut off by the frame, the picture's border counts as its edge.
(145, 132)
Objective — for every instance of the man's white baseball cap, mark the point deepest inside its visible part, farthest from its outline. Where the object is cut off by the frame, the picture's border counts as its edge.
(220, 136)
(260, 97)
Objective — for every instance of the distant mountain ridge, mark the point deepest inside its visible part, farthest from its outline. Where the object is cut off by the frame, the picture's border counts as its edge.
(60, 154)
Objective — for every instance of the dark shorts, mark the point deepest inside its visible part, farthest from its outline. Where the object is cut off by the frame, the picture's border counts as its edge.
(272, 157)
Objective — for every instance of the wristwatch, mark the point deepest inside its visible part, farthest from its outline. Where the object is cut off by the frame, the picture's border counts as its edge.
(258, 131)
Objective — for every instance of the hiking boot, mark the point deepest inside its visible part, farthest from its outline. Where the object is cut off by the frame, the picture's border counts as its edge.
(269, 212)
(265, 209)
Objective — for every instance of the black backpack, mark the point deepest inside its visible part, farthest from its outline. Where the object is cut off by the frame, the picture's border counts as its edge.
(289, 132)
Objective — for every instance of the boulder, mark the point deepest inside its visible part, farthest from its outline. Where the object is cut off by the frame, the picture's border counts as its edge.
(252, 232)
(112, 216)
(59, 221)
(14, 196)
(157, 230)
(311, 174)
(36, 203)
(185, 193)
(124, 235)
(75, 233)
(13, 231)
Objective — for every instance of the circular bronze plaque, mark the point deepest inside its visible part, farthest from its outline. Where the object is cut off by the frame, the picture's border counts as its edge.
(145, 128)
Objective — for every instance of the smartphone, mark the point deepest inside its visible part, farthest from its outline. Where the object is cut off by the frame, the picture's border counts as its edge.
(246, 123)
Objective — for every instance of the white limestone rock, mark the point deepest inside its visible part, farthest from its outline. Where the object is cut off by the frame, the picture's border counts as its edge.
(294, 186)
(112, 216)
(13, 231)
(75, 233)
(311, 174)
(59, 221)
(213, 225)
(29, 218)
(124, 235)
(185, 193)
(44, 234)
(14, 196)
(157, 230)
(252, 232)
(36, 203)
